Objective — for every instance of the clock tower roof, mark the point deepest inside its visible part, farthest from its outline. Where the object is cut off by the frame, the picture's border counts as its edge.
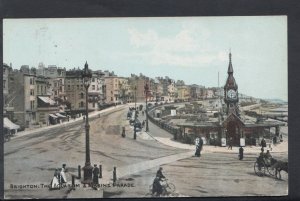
(230, 68)
(230, 82)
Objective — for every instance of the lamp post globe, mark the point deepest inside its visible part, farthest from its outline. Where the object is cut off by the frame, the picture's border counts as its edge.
(87, 169)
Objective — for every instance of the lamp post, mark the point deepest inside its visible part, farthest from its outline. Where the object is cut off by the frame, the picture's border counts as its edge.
(87, 176)
(146, 94)
(134, 134)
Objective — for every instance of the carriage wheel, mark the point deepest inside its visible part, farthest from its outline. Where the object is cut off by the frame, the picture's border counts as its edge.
(259, 169)
(271, 170)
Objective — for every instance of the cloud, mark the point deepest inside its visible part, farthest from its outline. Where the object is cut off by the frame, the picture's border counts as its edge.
(187, 48)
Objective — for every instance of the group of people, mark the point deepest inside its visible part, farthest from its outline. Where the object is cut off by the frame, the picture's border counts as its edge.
(265, 157)
(59, 178)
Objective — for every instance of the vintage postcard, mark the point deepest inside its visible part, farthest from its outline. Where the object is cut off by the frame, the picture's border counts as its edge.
(145, 107)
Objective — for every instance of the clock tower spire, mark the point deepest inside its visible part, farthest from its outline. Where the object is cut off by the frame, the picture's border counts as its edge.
(231, 91)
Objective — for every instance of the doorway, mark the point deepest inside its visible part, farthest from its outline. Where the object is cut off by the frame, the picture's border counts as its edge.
(233, 132)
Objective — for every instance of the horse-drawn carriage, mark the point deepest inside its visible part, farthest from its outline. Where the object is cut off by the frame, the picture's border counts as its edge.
(270, 166)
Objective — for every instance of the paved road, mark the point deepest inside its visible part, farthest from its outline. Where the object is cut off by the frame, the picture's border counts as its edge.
(213, 174)
(32, 159)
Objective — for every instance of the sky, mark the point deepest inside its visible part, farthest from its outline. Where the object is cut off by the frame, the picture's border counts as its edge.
(193, 49)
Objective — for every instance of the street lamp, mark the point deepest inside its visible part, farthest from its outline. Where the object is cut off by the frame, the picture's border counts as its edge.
(146, 94)
(86, 77)
(134, 134)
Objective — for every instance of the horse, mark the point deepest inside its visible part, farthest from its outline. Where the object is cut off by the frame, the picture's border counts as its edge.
(278, 166)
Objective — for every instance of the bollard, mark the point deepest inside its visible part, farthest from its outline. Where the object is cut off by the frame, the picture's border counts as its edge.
(115, 175)
(79, 172)
(100, 171)
(73, 182)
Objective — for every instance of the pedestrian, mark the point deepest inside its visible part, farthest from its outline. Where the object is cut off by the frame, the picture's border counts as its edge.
(123, 132)
(96, 173)
(274, 140)
(200, 146)
(263, 143)
(230, 143)
(143, 123)
(55, 184)
(197, 152)
(215, 141)
(241, 153)
(63, 178)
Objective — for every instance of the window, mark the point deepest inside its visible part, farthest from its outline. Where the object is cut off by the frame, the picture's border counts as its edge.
(93, 80)
(81, 95)
(111, 98)
(31, 92)
(93, 87)
(94, 105)
(78, 87)
(31, 81)
(55, 84)
(55, 92)
(38, 89)
(69, 87)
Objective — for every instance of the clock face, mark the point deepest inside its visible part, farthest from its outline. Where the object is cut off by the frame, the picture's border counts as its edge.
(231, 94)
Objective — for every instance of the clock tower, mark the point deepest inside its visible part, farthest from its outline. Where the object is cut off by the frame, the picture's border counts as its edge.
(231, 92)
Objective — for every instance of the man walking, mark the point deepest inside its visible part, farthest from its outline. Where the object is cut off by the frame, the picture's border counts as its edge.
(96, 172)
(200, 145)
(197, 152)
(263, 143)
(241, 153)
(230, 143)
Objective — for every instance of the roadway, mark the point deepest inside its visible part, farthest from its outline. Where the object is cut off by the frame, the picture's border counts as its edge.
(32, 159)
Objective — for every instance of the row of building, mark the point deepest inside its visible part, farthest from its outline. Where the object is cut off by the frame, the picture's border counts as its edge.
(44, 95)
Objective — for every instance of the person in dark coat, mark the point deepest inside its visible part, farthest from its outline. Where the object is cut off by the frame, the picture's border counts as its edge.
(157, 187)
(263, 143)
(241, 153)
(230, 143)
(96, 173)
(159, 174)
(123, 132)
(200, 146)
(197, 141)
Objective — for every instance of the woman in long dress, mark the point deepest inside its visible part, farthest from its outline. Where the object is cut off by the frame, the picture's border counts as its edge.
(55, 181)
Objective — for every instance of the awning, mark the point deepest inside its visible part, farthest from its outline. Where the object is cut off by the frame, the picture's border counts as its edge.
(47, 100)
(53, 116)
(60, 115)
(10, 125)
